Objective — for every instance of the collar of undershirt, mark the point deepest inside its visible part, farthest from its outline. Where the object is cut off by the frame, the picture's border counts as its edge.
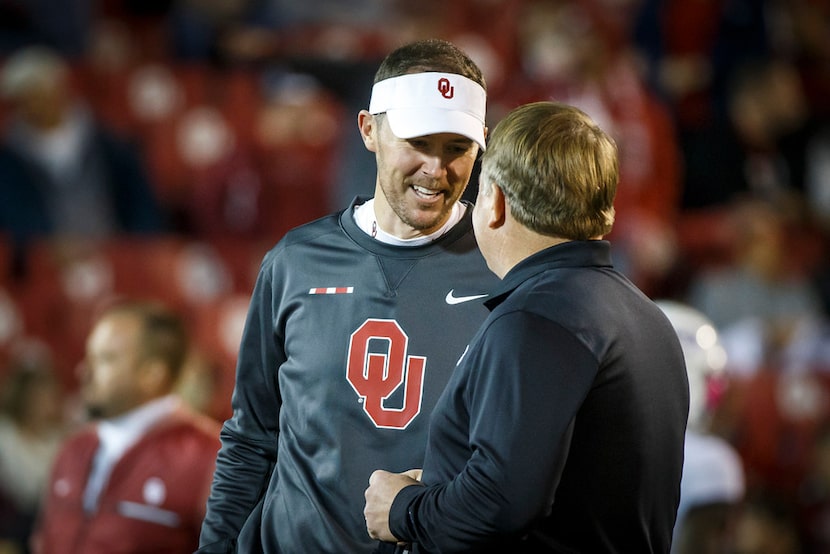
(364, 217)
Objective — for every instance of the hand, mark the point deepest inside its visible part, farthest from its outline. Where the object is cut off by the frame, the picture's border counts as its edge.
(383, 488)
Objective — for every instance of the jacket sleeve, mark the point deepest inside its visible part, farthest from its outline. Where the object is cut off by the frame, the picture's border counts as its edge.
(521, 389)
(249, 438)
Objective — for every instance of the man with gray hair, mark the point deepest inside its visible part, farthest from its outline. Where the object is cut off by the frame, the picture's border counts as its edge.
(561, 429)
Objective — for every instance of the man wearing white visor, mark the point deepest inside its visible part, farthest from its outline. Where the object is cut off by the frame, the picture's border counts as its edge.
(426, 129)
(356, 322)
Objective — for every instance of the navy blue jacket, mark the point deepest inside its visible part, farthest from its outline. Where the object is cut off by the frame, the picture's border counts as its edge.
(562, 428)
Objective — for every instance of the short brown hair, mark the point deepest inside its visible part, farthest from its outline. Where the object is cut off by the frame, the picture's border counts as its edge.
(164, 335)
(429, 55)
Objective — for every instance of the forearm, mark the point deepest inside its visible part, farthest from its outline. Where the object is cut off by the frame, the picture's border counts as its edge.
(455, 516)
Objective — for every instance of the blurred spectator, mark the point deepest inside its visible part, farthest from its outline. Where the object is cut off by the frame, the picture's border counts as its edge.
(764, 301)
(797, 132)
(804, 29)
(253, 177)
(569, 52)
(712, 487)
(691, 51)
(31, 429)
(767, 144)
(137, 478)
(61, 171)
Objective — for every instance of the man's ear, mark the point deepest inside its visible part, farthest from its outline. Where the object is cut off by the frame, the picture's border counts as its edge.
(155, 378)
(498, 208)
(367, 124)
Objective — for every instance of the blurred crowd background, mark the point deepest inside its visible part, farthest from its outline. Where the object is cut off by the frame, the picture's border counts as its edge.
(158, 148)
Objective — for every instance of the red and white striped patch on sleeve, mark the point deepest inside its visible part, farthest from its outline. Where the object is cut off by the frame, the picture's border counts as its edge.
(331, 290)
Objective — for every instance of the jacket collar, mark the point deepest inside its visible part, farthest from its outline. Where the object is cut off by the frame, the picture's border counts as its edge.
(577, 253)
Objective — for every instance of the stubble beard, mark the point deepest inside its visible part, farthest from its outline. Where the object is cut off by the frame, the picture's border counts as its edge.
(423, 224)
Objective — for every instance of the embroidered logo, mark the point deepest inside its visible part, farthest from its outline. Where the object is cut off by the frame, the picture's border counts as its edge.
(452, 300)
(445, 88)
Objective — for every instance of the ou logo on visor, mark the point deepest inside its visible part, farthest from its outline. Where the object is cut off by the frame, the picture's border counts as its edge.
(445, 88)
(375, 376)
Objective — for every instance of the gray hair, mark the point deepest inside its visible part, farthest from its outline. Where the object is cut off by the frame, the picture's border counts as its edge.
(558, 170)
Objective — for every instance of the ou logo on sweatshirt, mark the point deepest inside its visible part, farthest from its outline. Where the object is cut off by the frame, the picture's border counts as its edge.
(376, 376)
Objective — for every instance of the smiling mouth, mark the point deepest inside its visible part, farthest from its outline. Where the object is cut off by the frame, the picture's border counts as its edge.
(425, 192)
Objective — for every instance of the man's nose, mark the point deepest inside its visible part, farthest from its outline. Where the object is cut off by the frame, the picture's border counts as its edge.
(434, 165)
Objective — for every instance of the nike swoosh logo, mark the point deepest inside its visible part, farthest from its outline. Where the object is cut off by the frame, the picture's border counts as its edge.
(451, 299)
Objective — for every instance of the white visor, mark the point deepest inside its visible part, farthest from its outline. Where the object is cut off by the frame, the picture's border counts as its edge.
(421, 104)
